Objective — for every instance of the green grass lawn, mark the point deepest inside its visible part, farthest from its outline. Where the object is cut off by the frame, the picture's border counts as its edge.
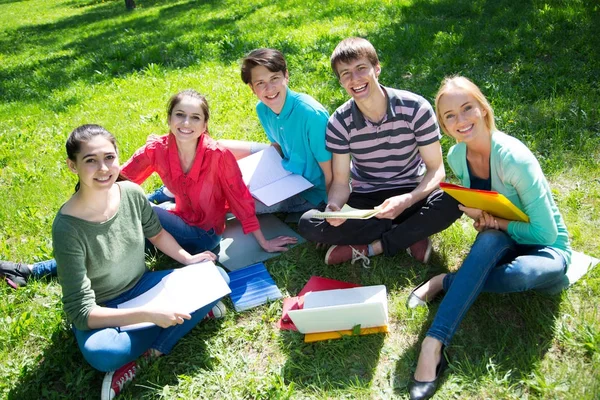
(68, 62)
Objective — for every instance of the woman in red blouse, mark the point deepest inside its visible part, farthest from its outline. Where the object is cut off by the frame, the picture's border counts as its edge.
(203, 176)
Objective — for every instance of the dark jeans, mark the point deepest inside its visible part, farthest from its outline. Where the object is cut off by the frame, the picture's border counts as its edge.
(429, 216)
(497, 264)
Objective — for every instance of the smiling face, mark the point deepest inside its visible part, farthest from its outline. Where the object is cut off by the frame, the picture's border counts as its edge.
(187, 120)
(462, 116)
(269, 87)
(359, 78)
(96, 164)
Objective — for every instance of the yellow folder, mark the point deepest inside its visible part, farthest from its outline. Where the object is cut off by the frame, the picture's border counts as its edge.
(316, 337)
(492, 202)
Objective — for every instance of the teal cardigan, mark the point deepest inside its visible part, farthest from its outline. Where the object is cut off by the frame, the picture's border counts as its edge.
(516, 173)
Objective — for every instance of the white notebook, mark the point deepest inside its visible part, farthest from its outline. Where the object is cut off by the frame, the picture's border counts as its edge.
(186, 289)
(342, 309)
(266, 178)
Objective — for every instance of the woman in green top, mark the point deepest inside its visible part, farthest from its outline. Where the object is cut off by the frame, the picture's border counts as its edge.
(507, 256)
(98, 238)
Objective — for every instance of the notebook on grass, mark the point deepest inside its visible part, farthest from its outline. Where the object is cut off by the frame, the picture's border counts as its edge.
(342, 309)
(238, 250)
(252, 286)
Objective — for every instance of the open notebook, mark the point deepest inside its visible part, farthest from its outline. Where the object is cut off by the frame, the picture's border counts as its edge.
(348, 212)
(266, 178)
(342, 309)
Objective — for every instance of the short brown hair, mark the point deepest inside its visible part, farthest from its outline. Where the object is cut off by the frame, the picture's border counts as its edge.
(271, 59)
(352, 49)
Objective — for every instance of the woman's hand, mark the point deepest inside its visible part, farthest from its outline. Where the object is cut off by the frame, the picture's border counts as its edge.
(204, 256)
(167, 318)
(278, 244)
(481, 219)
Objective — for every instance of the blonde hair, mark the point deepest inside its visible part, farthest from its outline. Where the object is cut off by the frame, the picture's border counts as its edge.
(460, 82)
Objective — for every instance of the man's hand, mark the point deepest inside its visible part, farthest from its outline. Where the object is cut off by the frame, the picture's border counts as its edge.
(334, 221)
(394, 206)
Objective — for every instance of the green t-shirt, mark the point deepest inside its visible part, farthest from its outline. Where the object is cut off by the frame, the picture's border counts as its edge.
(98, 261)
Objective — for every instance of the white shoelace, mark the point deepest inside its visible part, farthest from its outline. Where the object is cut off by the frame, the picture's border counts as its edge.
(127, 376)
(357, 255)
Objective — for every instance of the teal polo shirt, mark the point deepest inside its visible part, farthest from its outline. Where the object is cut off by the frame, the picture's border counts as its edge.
(300, 132)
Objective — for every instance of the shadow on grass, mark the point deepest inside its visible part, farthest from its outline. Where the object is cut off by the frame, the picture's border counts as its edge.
(116, 44)
(502, 338)
(62, 373)
(333, 364)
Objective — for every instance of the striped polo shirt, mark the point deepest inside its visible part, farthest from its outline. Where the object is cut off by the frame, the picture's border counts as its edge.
(384, 155)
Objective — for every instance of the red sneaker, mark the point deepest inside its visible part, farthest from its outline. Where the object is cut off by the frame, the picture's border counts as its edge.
(420, 251)
(114, 381)
(217, 312)
(341, 253)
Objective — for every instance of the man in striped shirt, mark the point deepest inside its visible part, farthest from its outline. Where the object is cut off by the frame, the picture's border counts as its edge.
(387, 142)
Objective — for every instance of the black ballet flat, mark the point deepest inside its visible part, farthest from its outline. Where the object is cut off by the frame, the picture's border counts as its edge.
(424, 390)
(415, 301)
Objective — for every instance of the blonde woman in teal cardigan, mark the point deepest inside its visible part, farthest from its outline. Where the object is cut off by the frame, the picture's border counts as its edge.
(507, 256)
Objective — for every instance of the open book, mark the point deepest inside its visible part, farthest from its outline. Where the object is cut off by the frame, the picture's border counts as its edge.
(186, 289)
(489, 201)
(342, 309)
(348, 212)
(266, 178)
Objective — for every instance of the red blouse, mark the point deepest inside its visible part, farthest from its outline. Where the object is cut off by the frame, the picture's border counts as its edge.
(211, 188)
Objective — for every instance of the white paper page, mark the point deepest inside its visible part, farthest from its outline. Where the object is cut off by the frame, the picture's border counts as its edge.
(341, 317)
(580, 265)
(282, 189)
(186, 289)
(262, 168)
(336, 297)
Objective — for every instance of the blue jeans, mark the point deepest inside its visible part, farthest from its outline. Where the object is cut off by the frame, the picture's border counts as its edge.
(193, 239)
(107, 349)
(44, 268)
(497, 264)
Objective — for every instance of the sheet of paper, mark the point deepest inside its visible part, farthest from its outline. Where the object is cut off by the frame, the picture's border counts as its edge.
(186, 289)
(337, 297)
(348, 212)
(580, 265)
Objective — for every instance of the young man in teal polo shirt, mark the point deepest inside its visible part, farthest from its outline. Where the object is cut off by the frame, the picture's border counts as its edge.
(295, 124)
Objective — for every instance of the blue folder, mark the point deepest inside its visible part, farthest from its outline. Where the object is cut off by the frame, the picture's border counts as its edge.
(252, 286)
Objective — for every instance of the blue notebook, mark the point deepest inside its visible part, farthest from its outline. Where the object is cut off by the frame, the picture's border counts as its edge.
(252, 286)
